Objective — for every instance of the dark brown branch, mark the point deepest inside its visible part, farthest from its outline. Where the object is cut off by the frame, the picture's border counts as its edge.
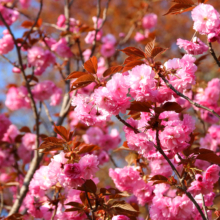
(183, 188)
(96, 25)
(213, 54)
(35, 22)
(36, 160)
(158, 147)
(127, 124)
(181, 180)
(185, 97)
(80, 50)
(112, 160)
(2, 202)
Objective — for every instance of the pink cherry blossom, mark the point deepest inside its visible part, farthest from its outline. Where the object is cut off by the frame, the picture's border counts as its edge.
(6, 43)
(160, 167)
(4, 125)
(40, 59)
(44, 90)
(56, 97)
(9, 15)
(184, 69)
(194, 47)
(61, 48)
(72, 171)
(125, 179)
(205, 18)
(149, 21)
(144, 194)
(24, 3)
(211, 175)
(113, 98)
(28, 140)
(142, 83)
(89, 165)
(86, 112)
(120, 217)
(61, 20)
(10, 134)
(17, 98)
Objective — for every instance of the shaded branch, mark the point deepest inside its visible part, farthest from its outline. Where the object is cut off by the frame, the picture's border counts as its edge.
(48, 113)
(35, 22)
(204, 207)
(96, 25)
(185, 97)
(37, 158)
(136, 131)
(213, 54)
(181, 180)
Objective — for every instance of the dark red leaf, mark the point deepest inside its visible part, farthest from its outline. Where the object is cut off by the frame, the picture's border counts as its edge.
(179, 8)
(157, 50)
(61, 131)
(91, 65)
(184, 2)
(132, 64)
(112, 70)
(83, 81)
(25, 129)
(75, 75)
(210, 157)
(88, 148)
(172, 106)
(133, 52)
(140, 106)
(27, 24)
(158, 177)
(149, 48)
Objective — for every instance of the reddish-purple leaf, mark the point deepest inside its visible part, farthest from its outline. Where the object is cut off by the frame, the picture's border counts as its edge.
(75, 75)
(133, 52)
(61, 131)
(179, 8)
(132, 64)
(149, 48)
(157, 50)
(112, 70)
(91, 65)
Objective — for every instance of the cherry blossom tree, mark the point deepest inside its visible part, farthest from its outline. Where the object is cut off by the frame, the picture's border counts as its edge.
(119, 127)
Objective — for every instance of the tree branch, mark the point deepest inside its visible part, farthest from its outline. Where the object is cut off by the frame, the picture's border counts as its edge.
(204, 207)
(96, 25)
(185, 97)
(158, 147)
(213, 54)
(136, 131)
(35, 22)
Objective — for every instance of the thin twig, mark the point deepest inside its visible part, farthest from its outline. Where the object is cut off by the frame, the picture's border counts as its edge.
(8, 60)
(204, 207)
(183, 188)
(48, 113)
(36, 160)
(127, 124)
(2, 202)
(213, 54)
(97, 29)
(35, 22)
(80, 50)
(112, 160)
(185, 97)
(126, 38)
